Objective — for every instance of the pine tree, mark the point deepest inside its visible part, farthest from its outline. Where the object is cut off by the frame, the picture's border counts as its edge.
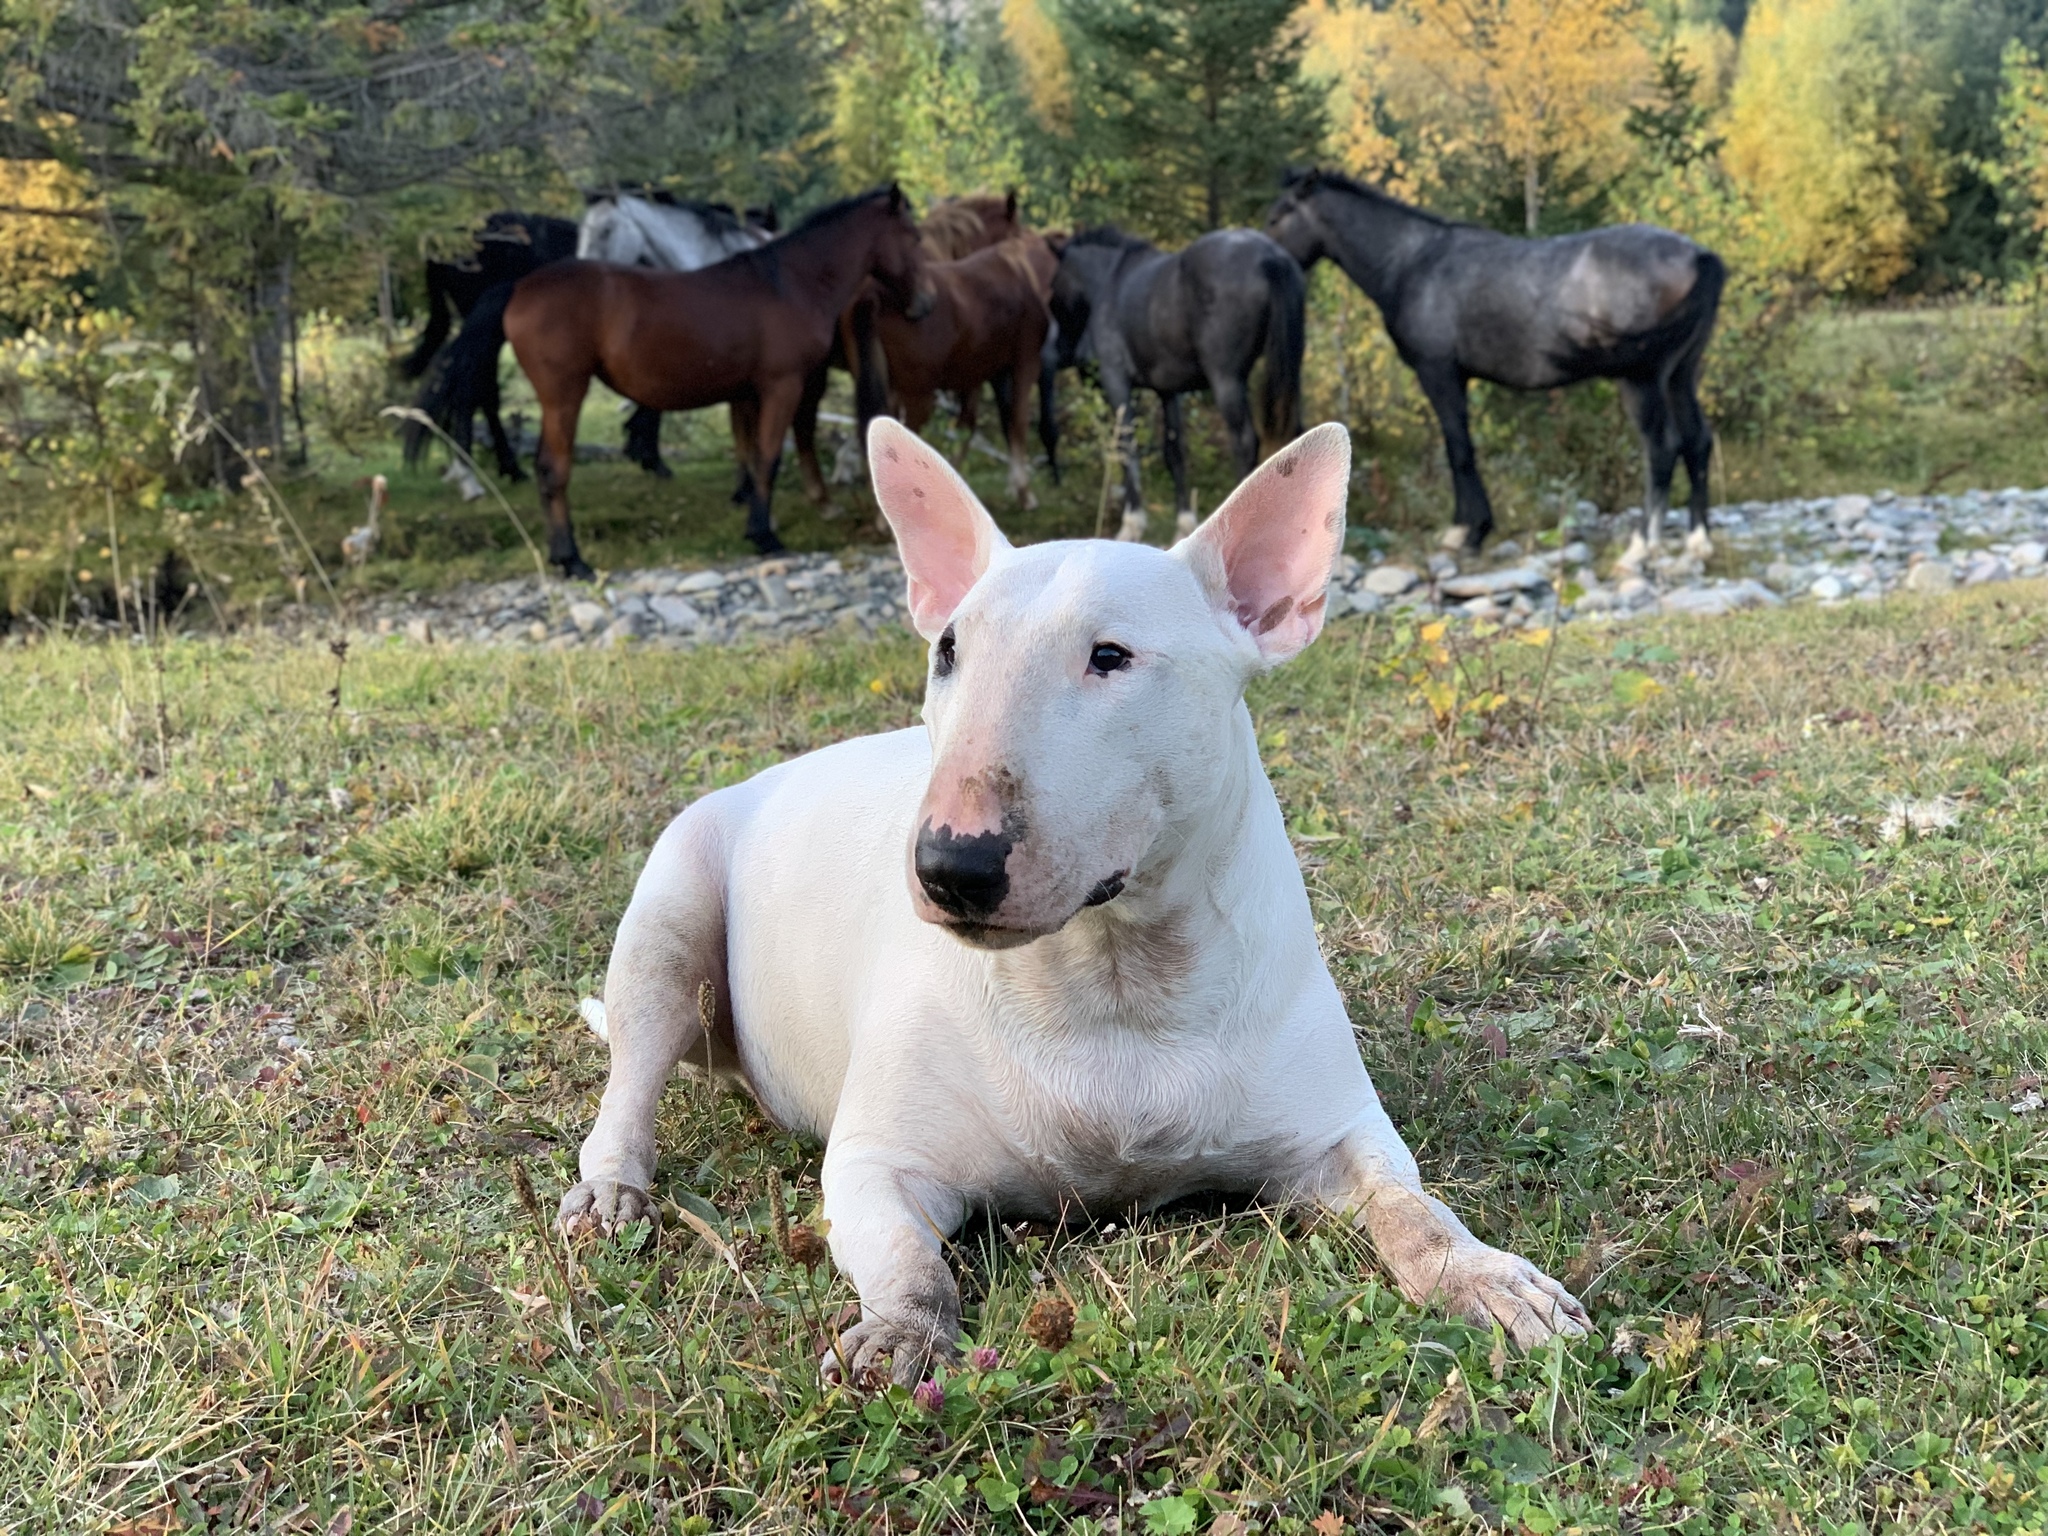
(1185, 111)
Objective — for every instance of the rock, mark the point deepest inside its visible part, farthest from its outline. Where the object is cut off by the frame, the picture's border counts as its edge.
(1516, 578)
(1828, 589)
(1712, 602)
(1634, 590)
(1389, 580)
(1594, 600)
(536, 631)
(1782, 576)
(1848, 511)
(677, 613)
(1507, 549)
(1481, 608)
(1578, 552)
(1930, 576)
(626, 627)
(701, 581)
(1441, 565)
(589, 617)
(1363, 601)
(2031, 553)
(1985, 566)
(419, 631)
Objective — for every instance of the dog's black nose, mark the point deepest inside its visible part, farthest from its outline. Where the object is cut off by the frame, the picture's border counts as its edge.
(965, 877)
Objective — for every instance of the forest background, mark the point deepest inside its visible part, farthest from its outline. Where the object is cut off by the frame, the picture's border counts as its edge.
(216, 215)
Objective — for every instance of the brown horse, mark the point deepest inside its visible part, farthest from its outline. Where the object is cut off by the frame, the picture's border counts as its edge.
(953, 227)
(748, 332)
(988, 323)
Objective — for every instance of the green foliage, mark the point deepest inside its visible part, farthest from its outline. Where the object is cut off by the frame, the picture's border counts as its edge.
(1184, 111)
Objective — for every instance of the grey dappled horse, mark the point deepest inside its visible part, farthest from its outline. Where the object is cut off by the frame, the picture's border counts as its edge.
(1174, 321)
(1632, 303)
(669, 234)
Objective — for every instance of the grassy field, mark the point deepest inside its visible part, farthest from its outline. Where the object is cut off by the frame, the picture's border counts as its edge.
(287, 997)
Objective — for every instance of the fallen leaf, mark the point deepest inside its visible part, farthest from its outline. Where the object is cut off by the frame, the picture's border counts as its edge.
(1328, 1523)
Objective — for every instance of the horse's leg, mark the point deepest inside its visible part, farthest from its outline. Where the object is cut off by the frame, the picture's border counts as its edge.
(561, 402)
(1696, 442)
(778, 403)
(967, 419)
(1116, 389)
(1016, 384)
(742, 435)
(1233, 403)
(1651, 413)
(501, 445)
(643, 442)
(816, 491)
(1048, 417)
(1173, 447)
(1473, 520)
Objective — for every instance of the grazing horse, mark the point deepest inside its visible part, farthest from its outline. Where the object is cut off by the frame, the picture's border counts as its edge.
(506, 248)
(987, 325)
(748, 332)
(1174, 321)
(669, 234)
(1633, 303)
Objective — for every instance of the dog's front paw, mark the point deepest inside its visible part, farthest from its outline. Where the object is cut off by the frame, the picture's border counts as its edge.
(912, 1341)
(599, 1207)
(1484, 1285)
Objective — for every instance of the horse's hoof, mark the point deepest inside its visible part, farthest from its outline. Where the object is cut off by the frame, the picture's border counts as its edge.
(1457, 538)
(576, 568)
(767, 544)
(1133, 528)
(1633, 557)
(1698, 544)
(659, 470)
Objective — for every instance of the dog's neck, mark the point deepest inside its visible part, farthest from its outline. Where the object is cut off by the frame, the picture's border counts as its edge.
(1179, 924)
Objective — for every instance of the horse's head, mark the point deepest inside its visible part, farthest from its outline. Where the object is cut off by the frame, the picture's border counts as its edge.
(896, 258)
(1293, 222)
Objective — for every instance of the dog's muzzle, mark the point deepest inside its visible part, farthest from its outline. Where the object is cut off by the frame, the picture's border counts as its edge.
(966, 877)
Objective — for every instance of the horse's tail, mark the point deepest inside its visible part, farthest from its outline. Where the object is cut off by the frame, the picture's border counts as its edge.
(467, 369)
(1286, 336)
(440, 312)
(1681, 333)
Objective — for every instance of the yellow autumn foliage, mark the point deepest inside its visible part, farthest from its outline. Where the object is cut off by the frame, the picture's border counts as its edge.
(41, 253)
(1544, 85)
(1831, 130)
(1042, 56)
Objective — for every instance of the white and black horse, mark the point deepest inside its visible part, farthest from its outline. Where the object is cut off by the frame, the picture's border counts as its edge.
(1632, 303)
(1175, 321)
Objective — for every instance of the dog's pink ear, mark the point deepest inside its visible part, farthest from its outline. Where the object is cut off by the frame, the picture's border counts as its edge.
(1265, 556)
(946, 537)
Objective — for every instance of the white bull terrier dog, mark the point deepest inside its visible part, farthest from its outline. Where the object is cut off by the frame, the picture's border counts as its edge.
(1053, 951)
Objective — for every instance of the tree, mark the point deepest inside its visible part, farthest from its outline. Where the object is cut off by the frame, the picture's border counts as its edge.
(1832, 131)
(1184, 111)
(1545, 84)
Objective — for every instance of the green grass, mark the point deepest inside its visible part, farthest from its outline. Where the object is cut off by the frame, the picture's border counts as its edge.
(1645, 988)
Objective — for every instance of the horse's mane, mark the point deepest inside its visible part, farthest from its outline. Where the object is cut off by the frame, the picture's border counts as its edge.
(1105, 234)
(1317, 176)
(720, 218)
(832, 213)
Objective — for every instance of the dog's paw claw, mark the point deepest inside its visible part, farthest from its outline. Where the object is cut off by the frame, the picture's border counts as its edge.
(1485, 1286)
(600, 1207)
(911, 1345)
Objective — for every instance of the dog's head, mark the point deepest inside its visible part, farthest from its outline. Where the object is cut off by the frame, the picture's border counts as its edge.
(1084, 695)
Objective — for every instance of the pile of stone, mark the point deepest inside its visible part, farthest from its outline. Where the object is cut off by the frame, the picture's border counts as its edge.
(1831, 550)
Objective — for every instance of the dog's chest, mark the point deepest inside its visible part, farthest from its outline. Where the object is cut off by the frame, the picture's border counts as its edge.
(1109, 1124)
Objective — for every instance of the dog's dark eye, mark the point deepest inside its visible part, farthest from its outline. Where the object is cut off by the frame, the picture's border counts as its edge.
(1107, 658)
(942, 658)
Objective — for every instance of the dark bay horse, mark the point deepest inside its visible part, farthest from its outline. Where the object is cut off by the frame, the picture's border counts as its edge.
(748, 332)
(505, 249)
(1175, 321)
(987, 323)
(953, 228)
(1633, 303)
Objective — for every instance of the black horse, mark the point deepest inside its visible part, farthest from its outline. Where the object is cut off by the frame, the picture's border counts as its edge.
(1633, 303)
(1174, 321)
(506, 248)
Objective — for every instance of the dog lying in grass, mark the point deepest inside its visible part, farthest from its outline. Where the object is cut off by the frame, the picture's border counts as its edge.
(1052, 951)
